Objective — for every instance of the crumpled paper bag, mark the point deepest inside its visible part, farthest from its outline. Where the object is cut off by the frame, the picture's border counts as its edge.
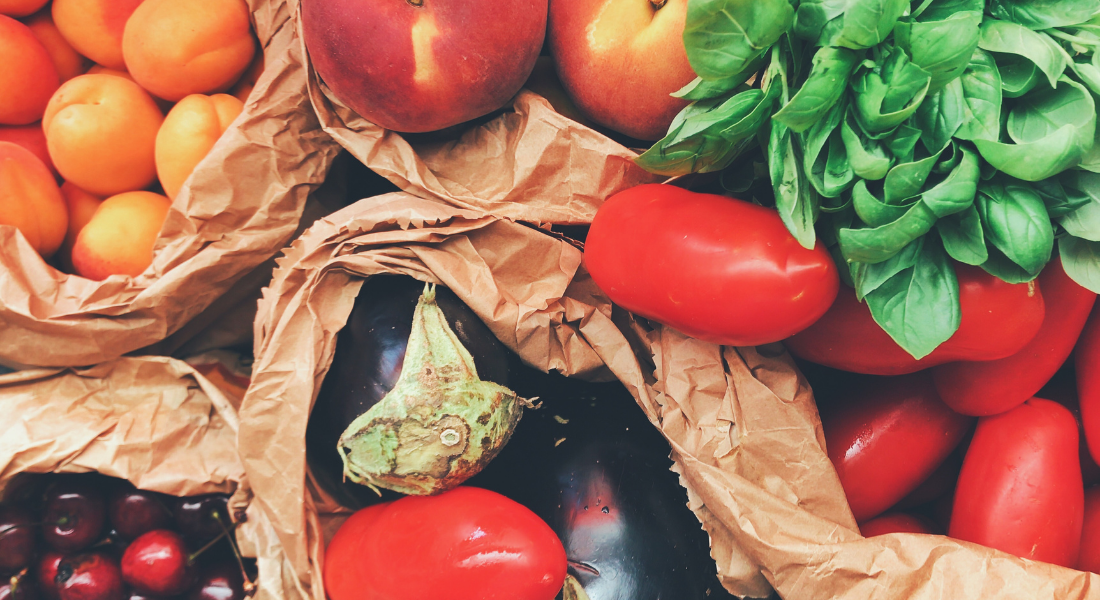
(154, 421)
(530, 289)
(242, 204)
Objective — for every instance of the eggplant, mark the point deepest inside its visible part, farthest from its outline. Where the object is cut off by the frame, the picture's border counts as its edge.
(592, 466)
(369, 354)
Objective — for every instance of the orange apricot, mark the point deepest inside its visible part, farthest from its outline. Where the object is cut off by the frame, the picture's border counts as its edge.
(30, 137)
(20, 8)
(82, 207)
(94, 27)
(189, 131)
(119, 238)
(101, 131)
(244, 85)
(27, 74)
(30, 199)
(69, 62)
(174, 49)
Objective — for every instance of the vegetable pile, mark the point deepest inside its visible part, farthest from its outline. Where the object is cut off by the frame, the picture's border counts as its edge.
(906, 137)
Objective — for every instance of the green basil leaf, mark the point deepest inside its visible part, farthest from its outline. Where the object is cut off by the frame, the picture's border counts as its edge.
(942, 48)
(919, 307)
(963, 237)
(1018, 75)
(714, 119)
(703, 89)
(1016, 222)
(1043, 14)
(724, 37)
(1084, 222)
(981, 95)
(906, 180)
(871, 210)
(957, 191)
(854, 24)
(1010, 38)
(939, 10)
(867, 158)
(886, 97)
(1088, 73)
(940, 116)
(868, 278)
(819, 153)
(1081, 260)
(795, 199)
(903, 142)
(1060, 199)
(838, 174)
(826, 83)
(1002, 267)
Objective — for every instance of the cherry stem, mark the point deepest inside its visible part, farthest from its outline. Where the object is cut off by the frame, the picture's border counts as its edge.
(249, 586)
(197, 553)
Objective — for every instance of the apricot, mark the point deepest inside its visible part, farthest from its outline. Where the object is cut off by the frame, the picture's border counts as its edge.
(102, 70)
(174, 49)
(69, 62)
(30, 199)
(94, 27)
(101, 131)
(27, 74)
(20, 8)
(82, 207)
(189, 131)
(244, 85)
(119, 238)
(32, 138)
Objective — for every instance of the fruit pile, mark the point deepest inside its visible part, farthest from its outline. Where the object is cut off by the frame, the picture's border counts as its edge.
(90, 537)
(121, 100)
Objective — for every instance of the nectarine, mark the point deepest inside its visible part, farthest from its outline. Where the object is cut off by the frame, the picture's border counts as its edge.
(27, 74)
(423, 65)
(174, 48)
(94, 27)
(101, 131)
(189, 132)
(119, 238)
(30, 199)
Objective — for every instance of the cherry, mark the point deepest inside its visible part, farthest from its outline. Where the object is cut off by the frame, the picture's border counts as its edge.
(19, 587)
(17, 538)
(219, 581)
(92, 576)
(197, 517)
(158, 563)
(133, 512)
(75, 511)
(47, 574)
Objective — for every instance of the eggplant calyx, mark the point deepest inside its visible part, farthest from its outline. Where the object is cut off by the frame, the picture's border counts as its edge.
(439, 425)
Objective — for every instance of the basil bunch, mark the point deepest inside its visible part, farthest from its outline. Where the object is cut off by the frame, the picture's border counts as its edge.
(904, 135)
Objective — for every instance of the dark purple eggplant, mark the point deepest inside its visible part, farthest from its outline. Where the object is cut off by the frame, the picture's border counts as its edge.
(591, 465)
(369, 353)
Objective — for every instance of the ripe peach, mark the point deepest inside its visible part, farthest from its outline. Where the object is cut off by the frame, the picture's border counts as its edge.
(94, 27)
(82, 207)
(20, 8)
(423, 65)
(69, 62)
(189, 132)
(32, 138)
(544, 82)
(120, 237)
(174, 48)
(30, 199)
(101, 131)
(27, 74)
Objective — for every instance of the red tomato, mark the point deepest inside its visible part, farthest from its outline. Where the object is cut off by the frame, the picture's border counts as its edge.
(1087, 362)
(1020, 488)
(1089, 559)
(994, 386)
(718, 269)
(897, 523)
(887, 438)
(998, 320)
(465, 544)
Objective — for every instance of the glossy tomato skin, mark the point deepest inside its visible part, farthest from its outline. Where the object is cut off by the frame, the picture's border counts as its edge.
(465, 544)
(1087, 364)
(990, 387)
(896, 522)
(1020, 488)
(889, 436)
(715, 268)
(1089, 557)
(998, 320)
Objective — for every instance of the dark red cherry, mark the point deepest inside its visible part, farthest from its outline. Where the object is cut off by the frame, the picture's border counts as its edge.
(91, 576)
(197, 517)
(157, 563)
(46, 574)
(17, 538)
(220, 581)
(133, 512)
(74, 514)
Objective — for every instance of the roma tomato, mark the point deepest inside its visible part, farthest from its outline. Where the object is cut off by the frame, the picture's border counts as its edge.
(1020, 488)
(1087, 363)
(465, 544)
(887, 438)
(897, 523)
(715, 268)
(1089, 558)
(994, 386)
(998, 320)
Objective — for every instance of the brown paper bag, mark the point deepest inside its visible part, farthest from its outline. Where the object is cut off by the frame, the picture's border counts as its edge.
(239, 208)
(531, 290)
(153, 421)
(526, 163)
